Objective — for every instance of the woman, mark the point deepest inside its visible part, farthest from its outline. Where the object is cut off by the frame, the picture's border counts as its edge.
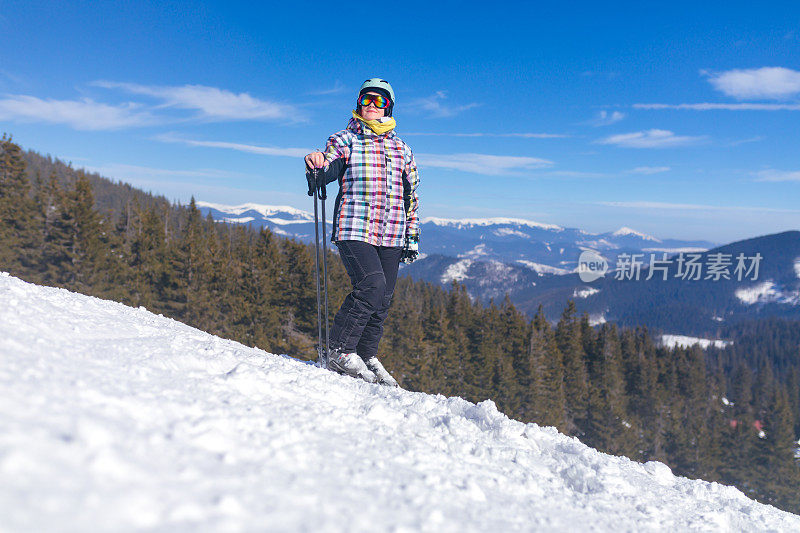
(375, 225)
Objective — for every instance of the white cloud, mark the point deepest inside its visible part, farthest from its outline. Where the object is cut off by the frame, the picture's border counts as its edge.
(722, 107)
(766, 82)
(10, 76)
(212, 102)
(778, 175)
(434, 105)
(519, 135)
(651, 139)
(137, 173)
(574, 174)
(337, 88)
(648, 170)
(692, 207)
(490, 165)
(604, 118)
(83, 114)
(755, 139)
(249, 148)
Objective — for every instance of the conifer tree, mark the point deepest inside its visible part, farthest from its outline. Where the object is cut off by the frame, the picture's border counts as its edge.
(775, 455)
(157, 286)
(608, 427)
(570, 343)
(405, 353)
(88, 252)
(697, 416)
(647, 399)
(544, 372)
(56, 234)
(264, 272)
(18, 231)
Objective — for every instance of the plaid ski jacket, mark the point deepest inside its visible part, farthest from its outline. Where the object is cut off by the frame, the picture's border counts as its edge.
(378, 178)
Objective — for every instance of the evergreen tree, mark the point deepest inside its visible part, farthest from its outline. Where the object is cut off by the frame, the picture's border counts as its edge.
(18, 231)
(570, 343)
(608, 427)
(544, 376)
(56, 233)
(87, 253)
(775, 454)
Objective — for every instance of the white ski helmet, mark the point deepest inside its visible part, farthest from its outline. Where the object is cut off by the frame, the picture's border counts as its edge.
(379, 86)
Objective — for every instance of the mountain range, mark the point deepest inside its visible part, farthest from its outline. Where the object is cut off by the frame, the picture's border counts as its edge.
(536, 246)
(537, 264)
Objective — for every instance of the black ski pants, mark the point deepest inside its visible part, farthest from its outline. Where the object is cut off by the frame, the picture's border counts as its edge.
(358, 325)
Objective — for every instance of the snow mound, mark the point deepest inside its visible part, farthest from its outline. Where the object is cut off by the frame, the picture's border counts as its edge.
(241, 220)
(584, 292)
(761, 292)
(600, 244)
(797, 267)
(767, 292)
(683, 341)
(457, 271)
(596, 320)
(115, 419)
(540, 268)
(476, 252)
(510, 232)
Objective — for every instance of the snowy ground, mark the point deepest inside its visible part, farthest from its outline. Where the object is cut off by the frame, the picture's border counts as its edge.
(671, 341)
(115, 419)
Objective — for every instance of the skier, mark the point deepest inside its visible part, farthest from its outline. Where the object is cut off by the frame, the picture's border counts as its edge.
(375, 225)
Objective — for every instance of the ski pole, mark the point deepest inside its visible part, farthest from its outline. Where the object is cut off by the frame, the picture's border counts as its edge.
(323, 194)
(311, 176)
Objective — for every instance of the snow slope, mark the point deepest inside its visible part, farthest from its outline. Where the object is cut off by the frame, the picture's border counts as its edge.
(115, 419)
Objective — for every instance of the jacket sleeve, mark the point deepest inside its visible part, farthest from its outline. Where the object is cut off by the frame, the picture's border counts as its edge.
(337, 155)
(411, 178)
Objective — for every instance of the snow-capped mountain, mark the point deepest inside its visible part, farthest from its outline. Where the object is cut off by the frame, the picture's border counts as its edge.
(540, 246)
(281, 219)
(276, 214)
(115, 419)
(632, 232)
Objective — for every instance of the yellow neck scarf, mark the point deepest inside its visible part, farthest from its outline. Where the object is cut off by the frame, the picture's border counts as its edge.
(378, 127)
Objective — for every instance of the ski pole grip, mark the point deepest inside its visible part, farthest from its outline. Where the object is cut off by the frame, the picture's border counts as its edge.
(311, 177)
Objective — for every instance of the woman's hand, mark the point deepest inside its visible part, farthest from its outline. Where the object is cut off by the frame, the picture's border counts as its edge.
(315, 160)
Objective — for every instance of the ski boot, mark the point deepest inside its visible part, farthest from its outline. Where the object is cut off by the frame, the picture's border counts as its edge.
(382, 375)
(350, 364)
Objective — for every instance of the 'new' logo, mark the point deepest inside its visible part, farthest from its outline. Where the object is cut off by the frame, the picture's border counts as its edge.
(591, 266)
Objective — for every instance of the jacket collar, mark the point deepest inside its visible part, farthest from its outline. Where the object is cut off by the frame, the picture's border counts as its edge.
(357, 126)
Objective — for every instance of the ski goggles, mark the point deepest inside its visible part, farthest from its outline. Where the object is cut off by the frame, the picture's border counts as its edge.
(381, 102)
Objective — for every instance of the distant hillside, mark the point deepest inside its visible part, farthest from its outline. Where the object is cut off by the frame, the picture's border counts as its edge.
(112, 198)
(687, 306)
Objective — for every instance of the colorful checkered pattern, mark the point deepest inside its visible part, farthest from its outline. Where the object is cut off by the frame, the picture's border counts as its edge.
(377, 201)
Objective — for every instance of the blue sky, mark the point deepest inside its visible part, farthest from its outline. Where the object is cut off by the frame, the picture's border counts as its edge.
(679, 120)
